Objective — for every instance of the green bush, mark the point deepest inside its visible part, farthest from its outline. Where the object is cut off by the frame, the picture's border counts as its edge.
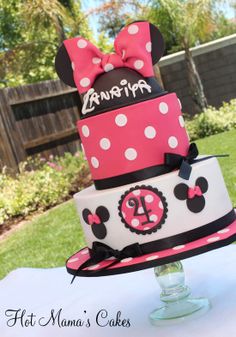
(212, 121)
(41, 184)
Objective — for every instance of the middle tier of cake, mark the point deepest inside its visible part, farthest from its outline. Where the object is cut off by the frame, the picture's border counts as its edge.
(125, 144)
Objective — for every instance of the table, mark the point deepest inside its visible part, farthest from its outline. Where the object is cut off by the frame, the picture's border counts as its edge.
(134, 295)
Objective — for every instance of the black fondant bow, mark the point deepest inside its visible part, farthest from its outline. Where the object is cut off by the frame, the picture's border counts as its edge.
(101, 252)
(174, 160)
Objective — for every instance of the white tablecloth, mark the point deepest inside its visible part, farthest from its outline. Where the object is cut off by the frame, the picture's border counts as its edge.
(38, 291)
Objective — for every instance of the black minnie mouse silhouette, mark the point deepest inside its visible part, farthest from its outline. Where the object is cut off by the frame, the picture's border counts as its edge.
(96, 221)
(193, 195)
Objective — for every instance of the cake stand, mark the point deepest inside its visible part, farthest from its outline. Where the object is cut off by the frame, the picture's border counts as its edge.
(178, 305)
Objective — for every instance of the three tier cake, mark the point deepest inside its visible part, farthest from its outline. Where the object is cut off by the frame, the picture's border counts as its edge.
(154, 199)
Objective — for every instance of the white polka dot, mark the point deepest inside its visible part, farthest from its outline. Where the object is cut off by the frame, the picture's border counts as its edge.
(135, 222)
(140, 210)
(105, 143)
(179, 247)
(150, 132)
(131, 154)
(85, 130)
(136, 192)
(146, 228)
(73, 260)
(84, 82)
(96, 60)
(180, 104)
(222, 231)
(138, 64)
(154, 217)
(94, 162)
(160, 205)
(181, 121)
(84, 252)
(153, 257)
(173, 142)
(124, 215)
(73, 65)
(149, 47)
(82, 43)
(111, 258)
(133, 29)
(95, 266)
(215, 238)
(149, 198)
(127, 259)
(163, 107)
(121, 120)
(108, 67)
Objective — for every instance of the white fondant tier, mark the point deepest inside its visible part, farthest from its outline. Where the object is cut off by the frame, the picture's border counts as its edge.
(155, 208)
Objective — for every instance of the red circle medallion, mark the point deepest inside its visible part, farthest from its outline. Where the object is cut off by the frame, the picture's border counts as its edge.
(143, 209)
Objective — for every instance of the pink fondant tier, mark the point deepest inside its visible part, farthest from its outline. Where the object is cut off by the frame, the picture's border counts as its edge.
(133, 137)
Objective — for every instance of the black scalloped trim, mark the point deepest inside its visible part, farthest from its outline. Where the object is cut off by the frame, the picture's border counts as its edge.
(165, 209)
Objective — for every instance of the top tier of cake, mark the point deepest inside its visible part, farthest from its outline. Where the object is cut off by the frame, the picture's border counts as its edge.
(128, 123)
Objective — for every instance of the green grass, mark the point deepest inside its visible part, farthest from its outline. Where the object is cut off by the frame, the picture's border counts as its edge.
(52, 237)
(223, 143)
(47, 241)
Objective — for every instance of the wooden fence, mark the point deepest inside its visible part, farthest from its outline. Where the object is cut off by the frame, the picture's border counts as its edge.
(216, 64)
(38, 118)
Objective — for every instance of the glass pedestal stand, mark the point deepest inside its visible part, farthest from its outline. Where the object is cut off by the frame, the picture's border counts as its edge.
(178, 306)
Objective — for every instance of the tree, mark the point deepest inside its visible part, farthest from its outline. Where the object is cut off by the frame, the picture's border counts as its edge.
(114, 14)
(161, 18)
(191, 20)
(104, 44)
(30, 33)
(224, 26)
(187, 23)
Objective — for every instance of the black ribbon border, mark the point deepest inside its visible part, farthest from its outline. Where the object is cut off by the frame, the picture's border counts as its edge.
(157, 262)
(171, 161)
(162, 244)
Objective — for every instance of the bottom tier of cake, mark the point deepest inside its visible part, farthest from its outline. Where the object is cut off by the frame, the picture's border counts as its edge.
(156, 220)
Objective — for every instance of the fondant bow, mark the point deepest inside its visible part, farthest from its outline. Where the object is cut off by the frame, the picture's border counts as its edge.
(194, 191)
(94, 219)
(101, 252)
(132, 49)
(174, 160)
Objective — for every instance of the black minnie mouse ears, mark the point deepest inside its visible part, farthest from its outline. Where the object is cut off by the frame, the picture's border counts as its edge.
(158, 43)
(63, 67)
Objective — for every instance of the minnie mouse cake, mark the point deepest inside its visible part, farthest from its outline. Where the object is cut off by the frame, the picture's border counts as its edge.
(154, 200)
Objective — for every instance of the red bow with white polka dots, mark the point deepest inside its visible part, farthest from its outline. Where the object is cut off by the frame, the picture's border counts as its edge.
(132, 49)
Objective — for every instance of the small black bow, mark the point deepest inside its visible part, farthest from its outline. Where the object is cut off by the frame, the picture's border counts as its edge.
(174, 160)
(101, 252)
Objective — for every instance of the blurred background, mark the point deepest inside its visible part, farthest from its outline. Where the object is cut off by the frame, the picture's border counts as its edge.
(32, 30)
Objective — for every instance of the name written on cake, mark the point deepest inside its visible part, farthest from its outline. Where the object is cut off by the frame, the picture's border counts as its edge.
(92, 99)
